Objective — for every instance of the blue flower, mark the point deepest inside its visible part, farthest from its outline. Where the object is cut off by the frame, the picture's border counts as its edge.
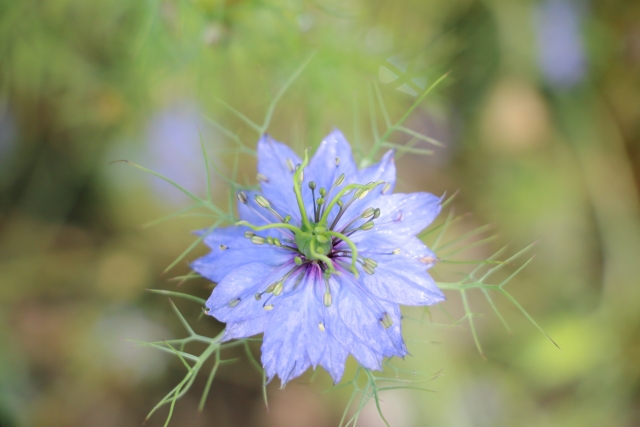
(321, 260)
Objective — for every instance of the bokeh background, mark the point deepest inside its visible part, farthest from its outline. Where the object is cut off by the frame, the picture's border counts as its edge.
(540, 120)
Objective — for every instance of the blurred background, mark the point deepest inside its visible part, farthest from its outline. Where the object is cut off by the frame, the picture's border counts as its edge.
(540, 120)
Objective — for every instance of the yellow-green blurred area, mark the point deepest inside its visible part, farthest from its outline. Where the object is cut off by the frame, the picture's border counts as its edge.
(540, 120)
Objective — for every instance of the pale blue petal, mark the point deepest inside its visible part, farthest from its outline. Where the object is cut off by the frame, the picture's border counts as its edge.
(274, 165)
(402, 278)
(239, 251)
(385, 171)
(362, 314)
(322, 167)
(293, 340)
(246, 328)
(233, 300)
(401, 216)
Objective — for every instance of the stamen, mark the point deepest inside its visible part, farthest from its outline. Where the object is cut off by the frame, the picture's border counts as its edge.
(368, 269)
(386, 188)
(262, 202)
(321, 326)
(290, 165)
(242, 196)
(234, 302)
(223, 247)
(327, 294)
(363, 190)
(257, 240)
(268, 307)
(386, 321)
(395, 251)
(337, 161)
(297, 260)
(262, 178)
(312, 186)
(249, 234)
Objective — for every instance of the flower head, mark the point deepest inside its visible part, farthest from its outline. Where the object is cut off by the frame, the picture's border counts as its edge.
(321, 260)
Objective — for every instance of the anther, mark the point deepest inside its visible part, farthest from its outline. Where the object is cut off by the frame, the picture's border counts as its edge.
(277, 290)
(262, 178)
(395, 251)
(290, 165)
(242, 196)
(249, 234)
(223, 247)
(270, 288)
(339, 180)
(367, 225)
(312, 185)
(234, 302)
(340, 204)
(323, 192)
(327, 298)
(376, 213)
(258, 296)
(262, 201)
(297, 260)
(363, 195)
(268, 307)
(270, 240)
(386, 188)
(368, 212)
(386, 321)
(371, 262)
(337, 161)
(258, 240)
(320, 201)
(368, 269)
(287, 219)
(427, 260)
(277, 242)
(321, 326)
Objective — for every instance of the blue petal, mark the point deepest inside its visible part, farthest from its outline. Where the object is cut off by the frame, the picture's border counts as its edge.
(402, 278)
(362, 313)
(293, 339)
(240, 251)
(385, 170)
(246, 328)
(401, 216)
(232, 301)
(274, 164)
(323, 169)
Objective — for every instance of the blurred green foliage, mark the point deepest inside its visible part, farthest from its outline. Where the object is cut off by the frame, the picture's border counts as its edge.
(540, 119)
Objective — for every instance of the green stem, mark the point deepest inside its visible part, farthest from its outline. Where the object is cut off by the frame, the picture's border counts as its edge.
(332, 203)
(316, 255)
(354, 249)
(268, 226)
(296, 188)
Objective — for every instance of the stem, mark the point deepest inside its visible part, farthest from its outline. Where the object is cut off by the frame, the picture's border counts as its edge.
(296, 188)
(273, 225)
(325, 215)
(354, 249)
